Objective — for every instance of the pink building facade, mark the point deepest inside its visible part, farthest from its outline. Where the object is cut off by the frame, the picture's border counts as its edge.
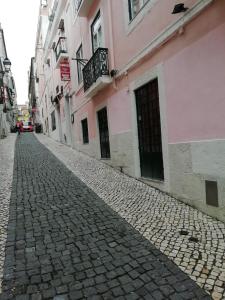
(145, 92)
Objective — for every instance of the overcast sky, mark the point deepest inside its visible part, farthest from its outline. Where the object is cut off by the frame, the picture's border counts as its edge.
(19, 22)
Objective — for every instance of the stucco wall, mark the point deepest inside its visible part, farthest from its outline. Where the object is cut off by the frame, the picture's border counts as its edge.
(195, 90)
(191, 164)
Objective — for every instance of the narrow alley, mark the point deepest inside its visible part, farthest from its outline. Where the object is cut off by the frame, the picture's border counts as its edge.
(65, 242)
(112, 150)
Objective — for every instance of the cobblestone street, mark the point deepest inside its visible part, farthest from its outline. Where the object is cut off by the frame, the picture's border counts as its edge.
(170, 225)
(65, 242)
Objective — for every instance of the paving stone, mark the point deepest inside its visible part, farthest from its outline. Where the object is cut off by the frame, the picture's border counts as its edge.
(146, 208)
(36, 297)
(51, 207)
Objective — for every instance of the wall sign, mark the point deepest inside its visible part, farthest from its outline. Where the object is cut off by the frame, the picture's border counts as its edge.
(65, 71)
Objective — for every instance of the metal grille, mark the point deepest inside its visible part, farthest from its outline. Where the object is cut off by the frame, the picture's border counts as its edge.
(149, 130)
(211, 190)
(96, 67)
(104, 133)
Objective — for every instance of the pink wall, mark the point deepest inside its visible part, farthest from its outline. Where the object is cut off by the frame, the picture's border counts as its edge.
(118, 109)
(191, 83)
(145, 31)
(119, 112)
(87, 111)
(195, 90)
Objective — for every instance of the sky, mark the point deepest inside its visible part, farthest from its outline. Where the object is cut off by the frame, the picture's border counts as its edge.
(19, 19)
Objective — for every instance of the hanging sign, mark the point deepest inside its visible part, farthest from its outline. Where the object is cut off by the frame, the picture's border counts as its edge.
(65, 71)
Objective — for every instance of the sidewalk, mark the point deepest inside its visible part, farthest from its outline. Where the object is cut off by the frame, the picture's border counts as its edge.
(191, 239)
(7, 146)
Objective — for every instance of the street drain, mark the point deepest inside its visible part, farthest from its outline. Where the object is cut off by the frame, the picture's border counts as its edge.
(193, 239)
(183, 232)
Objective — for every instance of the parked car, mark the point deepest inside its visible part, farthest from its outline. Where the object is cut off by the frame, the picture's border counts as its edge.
(28, 126)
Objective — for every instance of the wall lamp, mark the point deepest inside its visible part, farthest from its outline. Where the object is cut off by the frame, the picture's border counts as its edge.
(113, 72)
(7, 64)
(178, 8)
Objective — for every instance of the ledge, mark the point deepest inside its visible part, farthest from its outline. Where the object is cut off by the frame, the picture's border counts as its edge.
(100, 83)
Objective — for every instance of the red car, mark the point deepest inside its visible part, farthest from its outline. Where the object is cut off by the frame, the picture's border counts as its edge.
(28, 126)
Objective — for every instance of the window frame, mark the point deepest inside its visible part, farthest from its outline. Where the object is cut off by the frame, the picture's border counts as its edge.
(77, 4)
(98, 16)
(130, 13)
(79, 65)
(85, 133)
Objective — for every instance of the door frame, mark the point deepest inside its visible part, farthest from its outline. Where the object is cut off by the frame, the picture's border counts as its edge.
(156, 72)
(98, 108)
(68, 119)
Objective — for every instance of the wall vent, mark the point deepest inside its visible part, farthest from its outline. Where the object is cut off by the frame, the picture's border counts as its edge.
(211, 190)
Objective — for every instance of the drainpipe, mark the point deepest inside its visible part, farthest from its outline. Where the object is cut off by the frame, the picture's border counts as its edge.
(111, 39)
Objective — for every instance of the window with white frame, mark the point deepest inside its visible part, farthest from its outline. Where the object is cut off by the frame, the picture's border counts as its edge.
(79, 55)
(135, 6)
(77, 4)
(44, 3)
(96, 33)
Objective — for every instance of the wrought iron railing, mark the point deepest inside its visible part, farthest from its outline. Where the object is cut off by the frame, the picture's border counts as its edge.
(60, 47)
(96, 67)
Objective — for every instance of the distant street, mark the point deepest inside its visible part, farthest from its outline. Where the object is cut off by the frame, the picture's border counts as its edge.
(64, 242)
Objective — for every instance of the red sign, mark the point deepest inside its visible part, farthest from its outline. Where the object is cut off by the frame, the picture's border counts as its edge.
(65, 71)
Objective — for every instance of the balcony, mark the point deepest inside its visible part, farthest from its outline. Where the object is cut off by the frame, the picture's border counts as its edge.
(83, 7)
(96, 72)
(61, 51)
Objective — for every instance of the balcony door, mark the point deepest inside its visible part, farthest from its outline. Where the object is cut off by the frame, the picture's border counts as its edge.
(149, 131)
(103, 133)
(96, 33)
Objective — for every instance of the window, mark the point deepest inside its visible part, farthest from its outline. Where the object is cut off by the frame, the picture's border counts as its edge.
(53, 121)
(77, 4)
(84, 124)
(44, 3)
(27, 123)
(135, 6)
(96, 33)
(79, 54)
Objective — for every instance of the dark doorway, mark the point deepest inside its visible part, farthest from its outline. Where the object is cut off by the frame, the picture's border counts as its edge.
(149, 130)
(104, 133)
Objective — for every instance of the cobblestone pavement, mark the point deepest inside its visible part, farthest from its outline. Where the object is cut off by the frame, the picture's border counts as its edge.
(6, 173)
(64, 242)
(191, 239)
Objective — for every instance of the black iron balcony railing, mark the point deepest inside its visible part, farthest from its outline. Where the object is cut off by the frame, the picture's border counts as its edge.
(60, 47)
(96, 67)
